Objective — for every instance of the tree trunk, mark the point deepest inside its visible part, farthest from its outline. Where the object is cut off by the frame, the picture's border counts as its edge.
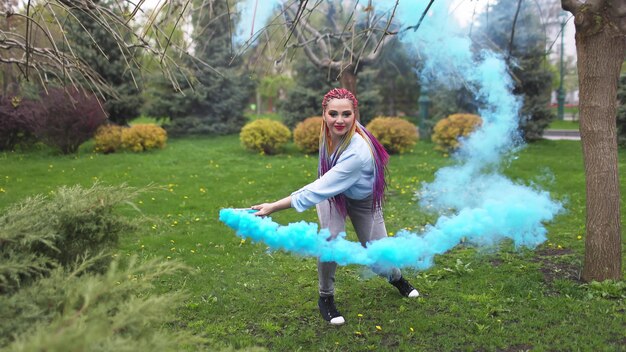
(348, 79)
(600, 50)
(270, 104)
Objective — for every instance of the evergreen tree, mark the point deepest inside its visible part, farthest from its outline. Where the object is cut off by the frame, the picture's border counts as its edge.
(525, 55)
(396, 80)
(214, 100)
(100, 50)
(304, 99)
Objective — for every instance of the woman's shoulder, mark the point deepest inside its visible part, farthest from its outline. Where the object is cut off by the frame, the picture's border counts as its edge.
(358, 147)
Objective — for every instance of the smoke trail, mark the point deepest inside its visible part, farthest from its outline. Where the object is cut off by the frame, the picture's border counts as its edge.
(479, 203)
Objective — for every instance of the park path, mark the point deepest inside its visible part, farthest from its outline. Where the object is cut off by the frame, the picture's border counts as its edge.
(553, 134)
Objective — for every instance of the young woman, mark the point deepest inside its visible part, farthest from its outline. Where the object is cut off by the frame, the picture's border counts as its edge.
(351, 182)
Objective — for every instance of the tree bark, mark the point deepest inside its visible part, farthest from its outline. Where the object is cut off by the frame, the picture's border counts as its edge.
(600, 47)
(348, 79)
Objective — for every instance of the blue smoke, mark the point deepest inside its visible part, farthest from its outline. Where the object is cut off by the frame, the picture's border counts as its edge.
(478, 203)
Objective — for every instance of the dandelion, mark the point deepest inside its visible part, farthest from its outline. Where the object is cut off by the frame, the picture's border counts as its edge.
(168, 257)
(390, 234)
(379, 328)
(202, 190)
(142, 246)
(360, 315)
(2, 190)
(358, 333)
(411, 329)
(152, 198)
(154, 227)
(192, 251)
(197, 219)
(173, 249)
(559, 247)
(185, 197)
(243, 241)
(141, 202)
(579, 237)
(172, 241)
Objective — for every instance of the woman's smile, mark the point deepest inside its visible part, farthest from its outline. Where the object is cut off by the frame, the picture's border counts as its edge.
(339, 117)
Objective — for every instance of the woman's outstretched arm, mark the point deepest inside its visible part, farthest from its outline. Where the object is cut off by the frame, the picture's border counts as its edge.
(268, 208)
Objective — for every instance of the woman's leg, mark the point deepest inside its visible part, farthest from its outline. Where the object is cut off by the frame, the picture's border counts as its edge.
(369, 227)
(332, 220)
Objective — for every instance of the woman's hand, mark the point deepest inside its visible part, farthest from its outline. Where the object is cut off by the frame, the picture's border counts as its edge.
(264, 209)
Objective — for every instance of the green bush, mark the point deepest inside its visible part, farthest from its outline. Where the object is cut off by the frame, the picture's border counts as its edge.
(57, 292)
(306, 135)
(43, 232)
(265, 136)
(447, 131)
(395, 134)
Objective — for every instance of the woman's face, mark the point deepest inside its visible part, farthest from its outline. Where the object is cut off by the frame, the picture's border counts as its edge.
(339, 117)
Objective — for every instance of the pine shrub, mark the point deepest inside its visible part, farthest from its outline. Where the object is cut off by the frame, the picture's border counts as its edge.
(448, 131)
(73, 309)
(17, 117)
(42, 232)
(395, 134)
(55, 292)
(265, 136)
(108, 139)
(142, 137)
(306, 135)
(68, 118)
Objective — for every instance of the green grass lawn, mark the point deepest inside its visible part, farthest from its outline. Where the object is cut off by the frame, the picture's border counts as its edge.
(564, 125)
(241, 295)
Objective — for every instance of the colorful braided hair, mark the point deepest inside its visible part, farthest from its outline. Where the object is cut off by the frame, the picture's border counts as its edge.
(328, 160)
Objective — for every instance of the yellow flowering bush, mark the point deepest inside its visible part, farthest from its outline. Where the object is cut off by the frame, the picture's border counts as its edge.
(306, 135)
(140, 137)
(108, 139)
(447, 132)
(395, 134)
(265, 136)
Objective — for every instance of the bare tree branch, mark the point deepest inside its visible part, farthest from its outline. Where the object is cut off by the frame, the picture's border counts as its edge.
(510, 51)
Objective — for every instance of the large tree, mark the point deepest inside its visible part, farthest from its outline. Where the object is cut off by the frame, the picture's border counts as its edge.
(36, 46)
(215, 96)
(514, 28)
(600, 45)
(113, 65)
(338, 38)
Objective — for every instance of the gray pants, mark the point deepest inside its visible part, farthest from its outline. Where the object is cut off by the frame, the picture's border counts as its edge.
(368, 226)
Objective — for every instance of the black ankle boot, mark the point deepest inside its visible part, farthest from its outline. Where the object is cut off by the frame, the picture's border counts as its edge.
(329, 311)
(405, 288)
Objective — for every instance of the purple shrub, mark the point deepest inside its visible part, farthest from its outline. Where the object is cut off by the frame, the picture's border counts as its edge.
(17, 118)
(69, 117)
